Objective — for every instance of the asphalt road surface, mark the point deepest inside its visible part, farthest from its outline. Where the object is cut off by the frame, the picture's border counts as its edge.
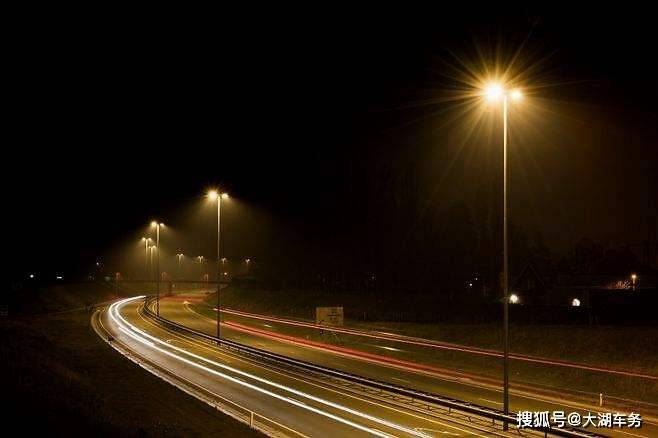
(294, 404)
(302, 403)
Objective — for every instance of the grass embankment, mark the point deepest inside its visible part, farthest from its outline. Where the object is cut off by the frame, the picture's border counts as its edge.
(61, 379)
(626, 348)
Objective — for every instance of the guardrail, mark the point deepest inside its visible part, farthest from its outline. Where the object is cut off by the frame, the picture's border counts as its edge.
(451, 404)
(229, 407)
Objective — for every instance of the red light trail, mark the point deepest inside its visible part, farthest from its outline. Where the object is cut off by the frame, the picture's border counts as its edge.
(439, 345)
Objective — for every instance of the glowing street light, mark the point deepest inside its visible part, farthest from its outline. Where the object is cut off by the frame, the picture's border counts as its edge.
(634, 280)
(215, 195)
(157, 226)
(575, 302)
(494, 92)
(516, 94)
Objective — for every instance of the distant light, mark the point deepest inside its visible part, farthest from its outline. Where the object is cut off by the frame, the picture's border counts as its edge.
(59, 277)
(98, 263)
(224, 195)
(143, 239)
(633, 277)
(247, 260)
(516, 94)
(514, 299)
(225, 273)
(575, 302)
(31, 275)
(154, 224)
(493, 92)
(212, 194)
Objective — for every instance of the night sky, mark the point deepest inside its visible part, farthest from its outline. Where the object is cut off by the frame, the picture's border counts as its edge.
(117, 124)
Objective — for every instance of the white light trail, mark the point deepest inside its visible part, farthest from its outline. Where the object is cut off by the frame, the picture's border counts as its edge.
(149, 340)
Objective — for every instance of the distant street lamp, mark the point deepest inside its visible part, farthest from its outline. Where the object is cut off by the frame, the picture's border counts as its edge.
(146, 241)
(634, 280)
(157, 225)
(202, 260)
(179, 256)
(575, 302)
(151, 270)
(495, 92)
(215, 195)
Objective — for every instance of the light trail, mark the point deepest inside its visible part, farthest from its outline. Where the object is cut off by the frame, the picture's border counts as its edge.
(439, 345)
(214, 350)
(143, 337)
(349, 352)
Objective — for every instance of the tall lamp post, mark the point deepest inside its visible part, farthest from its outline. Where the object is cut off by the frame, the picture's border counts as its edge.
(496, 93)
(151, 264)
(216, 195)
(157, 225)
(146, 241)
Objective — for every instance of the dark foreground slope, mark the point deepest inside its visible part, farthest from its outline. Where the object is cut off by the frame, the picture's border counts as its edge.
(60, 378)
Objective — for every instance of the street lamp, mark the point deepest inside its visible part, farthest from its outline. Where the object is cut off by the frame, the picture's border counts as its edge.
(201, 259)
(216, 195)
(146, 241)
(179, 256)
(494, 92)
(634, 280)
(151, 270)
(157, 225)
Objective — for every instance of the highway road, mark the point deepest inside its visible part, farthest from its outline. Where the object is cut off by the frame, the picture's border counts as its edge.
(436, 380)
(285, 401)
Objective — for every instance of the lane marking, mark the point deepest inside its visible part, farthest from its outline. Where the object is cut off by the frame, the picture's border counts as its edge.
(518, 393)
(144, 337)
(224, 355)
(439, 344)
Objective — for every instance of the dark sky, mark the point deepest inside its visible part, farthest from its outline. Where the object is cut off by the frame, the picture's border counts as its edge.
(117, 123)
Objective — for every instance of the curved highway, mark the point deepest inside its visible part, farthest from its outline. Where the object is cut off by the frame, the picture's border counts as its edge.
(277, 401)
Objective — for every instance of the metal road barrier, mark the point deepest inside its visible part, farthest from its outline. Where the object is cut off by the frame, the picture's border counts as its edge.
(241, 413)
(451, 404)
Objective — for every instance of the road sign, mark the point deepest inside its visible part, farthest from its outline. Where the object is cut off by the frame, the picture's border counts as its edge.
(329, 316)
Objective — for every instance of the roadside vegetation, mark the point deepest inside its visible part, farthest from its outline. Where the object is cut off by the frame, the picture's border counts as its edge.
(626, 347)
